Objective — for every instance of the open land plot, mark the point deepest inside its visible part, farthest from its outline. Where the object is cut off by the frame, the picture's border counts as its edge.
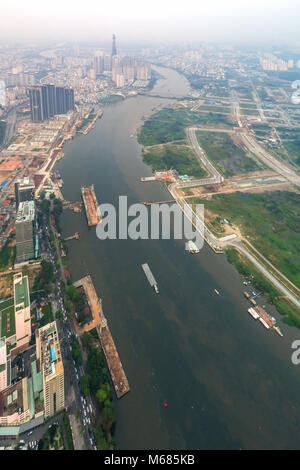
(271, 220)
(180, 158)
(229, 158)
(169, 124)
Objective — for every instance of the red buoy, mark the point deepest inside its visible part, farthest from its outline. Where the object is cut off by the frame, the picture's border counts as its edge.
(165, 404)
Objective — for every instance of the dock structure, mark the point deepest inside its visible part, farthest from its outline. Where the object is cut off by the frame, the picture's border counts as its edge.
(93, 301)
(91, 205)
(99, 322)
(114, 363)
(72, 237)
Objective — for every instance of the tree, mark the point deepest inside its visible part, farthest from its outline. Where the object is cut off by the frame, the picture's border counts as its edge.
(71, 292)
(103, 393)
(108, 414)
(52, 196)
(58, 314)
(84, 385)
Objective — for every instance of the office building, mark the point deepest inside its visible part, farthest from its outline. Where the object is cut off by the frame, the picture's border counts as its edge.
(50, 363)
(26, 240)
(24, 191)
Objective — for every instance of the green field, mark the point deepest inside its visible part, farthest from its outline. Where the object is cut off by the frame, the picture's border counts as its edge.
(293, 149)
(111, 99)
(174, 156)
(227, 157)
(169, 124)
(271, 221)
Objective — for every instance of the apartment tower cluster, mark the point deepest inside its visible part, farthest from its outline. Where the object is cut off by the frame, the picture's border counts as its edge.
(48, 100)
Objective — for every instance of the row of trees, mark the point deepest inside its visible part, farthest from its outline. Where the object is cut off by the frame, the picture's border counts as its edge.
(97, 382)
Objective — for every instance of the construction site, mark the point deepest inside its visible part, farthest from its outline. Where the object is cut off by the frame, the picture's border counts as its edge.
(91, 205)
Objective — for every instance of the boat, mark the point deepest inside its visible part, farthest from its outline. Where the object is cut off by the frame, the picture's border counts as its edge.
(150, 277)
(217, 292)
(192, 247)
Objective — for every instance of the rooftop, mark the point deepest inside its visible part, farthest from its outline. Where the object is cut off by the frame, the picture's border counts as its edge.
(21, 290)
(51, 356)
(7, 318)
(26, 211)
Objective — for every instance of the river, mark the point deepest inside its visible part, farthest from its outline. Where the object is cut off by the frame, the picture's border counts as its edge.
(228, 382)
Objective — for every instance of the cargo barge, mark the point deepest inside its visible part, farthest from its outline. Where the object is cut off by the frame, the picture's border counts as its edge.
(91, 205)
(150, 277)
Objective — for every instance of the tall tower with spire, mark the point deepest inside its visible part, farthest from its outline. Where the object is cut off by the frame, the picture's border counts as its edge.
(114, 47)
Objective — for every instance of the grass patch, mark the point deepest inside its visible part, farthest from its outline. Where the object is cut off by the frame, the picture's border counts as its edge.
(272, 223)
(7, 256)
(228, 157)
(169, 124)
(180, 158)
(111, 99)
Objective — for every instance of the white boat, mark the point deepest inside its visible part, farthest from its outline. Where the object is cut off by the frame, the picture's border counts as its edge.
(192, 247)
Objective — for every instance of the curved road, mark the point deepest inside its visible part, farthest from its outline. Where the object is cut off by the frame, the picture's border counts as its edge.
(216, 243)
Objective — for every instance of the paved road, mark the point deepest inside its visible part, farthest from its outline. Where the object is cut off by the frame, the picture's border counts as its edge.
(280, 167)
(216, 243)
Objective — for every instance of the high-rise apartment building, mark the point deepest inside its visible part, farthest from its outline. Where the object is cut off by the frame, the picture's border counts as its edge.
(99, 63)
(22, 310)
(50, 363)
(48, 100)
(26, 244)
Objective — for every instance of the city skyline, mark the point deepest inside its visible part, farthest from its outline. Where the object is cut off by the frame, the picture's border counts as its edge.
(250, 22)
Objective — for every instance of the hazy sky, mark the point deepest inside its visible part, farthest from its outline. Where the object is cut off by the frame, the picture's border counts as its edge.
(152, 20)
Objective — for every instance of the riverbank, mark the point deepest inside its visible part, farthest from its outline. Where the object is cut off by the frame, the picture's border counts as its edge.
(221, 373)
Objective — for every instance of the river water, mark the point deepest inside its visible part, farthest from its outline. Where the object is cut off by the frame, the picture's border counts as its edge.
(227, 381)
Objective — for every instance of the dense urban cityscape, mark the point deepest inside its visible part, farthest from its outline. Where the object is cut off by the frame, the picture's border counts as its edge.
(90, 357)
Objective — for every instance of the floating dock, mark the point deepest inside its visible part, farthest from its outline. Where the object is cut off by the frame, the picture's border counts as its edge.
(91, 205)
(99, 322)
(114, 364)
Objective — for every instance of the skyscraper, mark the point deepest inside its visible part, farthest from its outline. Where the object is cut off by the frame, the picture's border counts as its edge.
(25, 232)
(114, 47)
(50, 362)
(48, 100)
(24, 191)
(36, 104)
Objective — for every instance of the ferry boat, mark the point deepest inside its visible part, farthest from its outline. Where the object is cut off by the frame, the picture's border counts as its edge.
(192, 247)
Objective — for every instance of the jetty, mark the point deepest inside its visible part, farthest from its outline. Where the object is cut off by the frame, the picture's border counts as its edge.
(72, 237)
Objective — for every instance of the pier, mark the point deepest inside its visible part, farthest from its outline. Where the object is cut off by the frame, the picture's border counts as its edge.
(114, 364)
(158, 202)
(72, 237)
(91, 205)
(99, 322)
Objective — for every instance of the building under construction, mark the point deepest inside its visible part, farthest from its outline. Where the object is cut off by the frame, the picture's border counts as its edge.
(91, 205)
